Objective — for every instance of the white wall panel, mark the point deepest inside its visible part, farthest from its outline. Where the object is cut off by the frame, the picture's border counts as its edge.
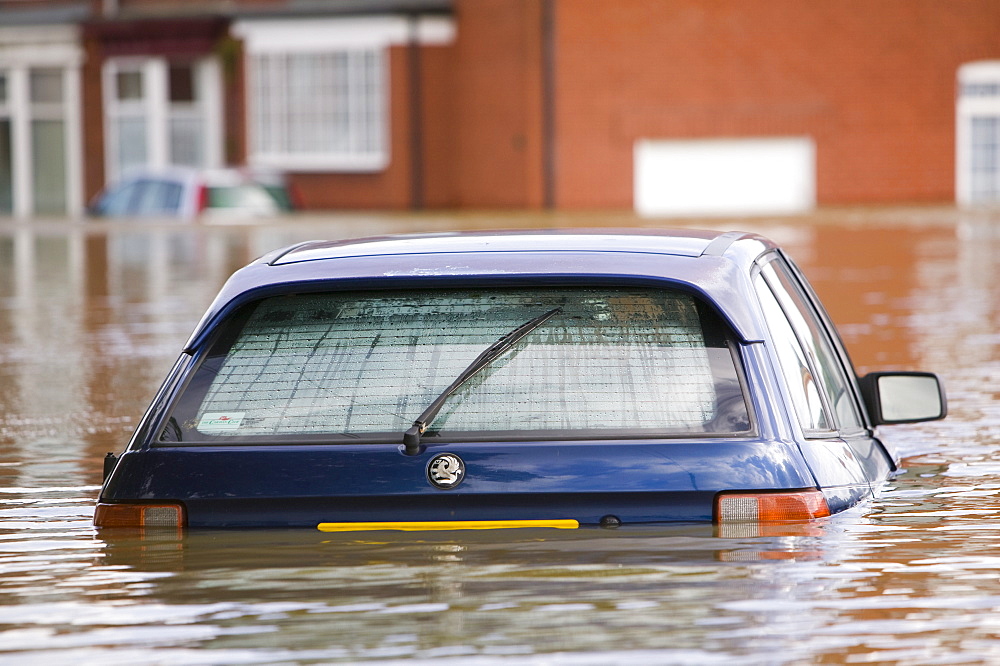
(725, 176)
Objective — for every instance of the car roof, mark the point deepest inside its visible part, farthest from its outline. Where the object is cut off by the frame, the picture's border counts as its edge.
(170, 172)
(223, 176)
(712, 264)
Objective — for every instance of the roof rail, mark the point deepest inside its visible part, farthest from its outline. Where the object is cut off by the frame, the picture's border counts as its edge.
(721, 243)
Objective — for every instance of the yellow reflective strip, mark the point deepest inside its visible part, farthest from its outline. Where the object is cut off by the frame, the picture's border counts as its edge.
(560, 524)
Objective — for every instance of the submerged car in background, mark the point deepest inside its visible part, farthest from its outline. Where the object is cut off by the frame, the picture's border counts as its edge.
(548, 379)
(187, 194)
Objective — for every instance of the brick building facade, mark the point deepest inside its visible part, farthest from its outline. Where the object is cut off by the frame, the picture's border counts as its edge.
(872, 83)
(665, 106)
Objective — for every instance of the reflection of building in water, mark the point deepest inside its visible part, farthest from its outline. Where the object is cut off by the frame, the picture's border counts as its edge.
(671, 108)
(914, 293)
(975, 292)
(867, 277)
(89, 323)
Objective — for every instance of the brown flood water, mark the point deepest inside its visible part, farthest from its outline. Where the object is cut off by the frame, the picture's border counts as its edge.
(93, 314)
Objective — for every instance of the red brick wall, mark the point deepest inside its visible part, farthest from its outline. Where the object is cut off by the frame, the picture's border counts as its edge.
(498, 103)
(872, 82)
(439, 120)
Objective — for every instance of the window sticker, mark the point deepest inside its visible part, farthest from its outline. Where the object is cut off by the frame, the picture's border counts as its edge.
(220, 421)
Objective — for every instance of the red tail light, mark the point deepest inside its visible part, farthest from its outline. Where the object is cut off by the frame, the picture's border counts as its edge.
(139, 515)
(763, 507)
(202, 198)
(295, 197)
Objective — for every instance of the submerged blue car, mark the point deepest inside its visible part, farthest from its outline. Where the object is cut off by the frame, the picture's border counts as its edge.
(490, 380)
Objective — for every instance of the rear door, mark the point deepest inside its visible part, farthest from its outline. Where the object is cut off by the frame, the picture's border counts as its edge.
(625, 399)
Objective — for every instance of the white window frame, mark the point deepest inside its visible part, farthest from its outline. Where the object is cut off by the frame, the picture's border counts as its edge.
(22, 49)
(7, 113)
(206, 107)
(357, 38)
(978, 96)
(155, 107)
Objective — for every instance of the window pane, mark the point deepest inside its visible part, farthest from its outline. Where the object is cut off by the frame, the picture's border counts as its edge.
(6, 170)
(820, 349)
(131, 142)
(120, 200)
(247, 196)
(981, 90)
(187, 140)
(637, 362)
(48, 162)
(367, 72)
(155, 197)
(46, 85)
(985, 171)
(181, 81)
(794, 366)
(128, 85)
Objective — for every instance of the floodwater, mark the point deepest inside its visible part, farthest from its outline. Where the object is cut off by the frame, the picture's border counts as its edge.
(93, 314)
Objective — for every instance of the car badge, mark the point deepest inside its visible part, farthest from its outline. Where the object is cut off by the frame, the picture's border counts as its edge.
(446, 470)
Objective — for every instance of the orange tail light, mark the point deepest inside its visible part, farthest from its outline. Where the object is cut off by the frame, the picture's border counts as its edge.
(765, 507)
(139, 515)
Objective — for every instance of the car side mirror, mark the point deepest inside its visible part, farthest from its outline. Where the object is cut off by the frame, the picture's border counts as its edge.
(903, 397)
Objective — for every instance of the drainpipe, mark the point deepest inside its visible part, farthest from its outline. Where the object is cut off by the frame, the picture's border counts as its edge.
(416, 116)
(548, 104)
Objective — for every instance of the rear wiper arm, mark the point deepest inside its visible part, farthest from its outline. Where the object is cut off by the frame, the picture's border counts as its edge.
(411, 438)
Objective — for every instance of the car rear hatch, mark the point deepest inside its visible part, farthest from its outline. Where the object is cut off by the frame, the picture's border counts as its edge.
(587, 482)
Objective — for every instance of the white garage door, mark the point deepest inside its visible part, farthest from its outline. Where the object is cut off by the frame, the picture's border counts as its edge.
(725, 176)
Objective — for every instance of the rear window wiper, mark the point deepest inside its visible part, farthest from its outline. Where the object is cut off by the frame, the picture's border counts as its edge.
(411, 438)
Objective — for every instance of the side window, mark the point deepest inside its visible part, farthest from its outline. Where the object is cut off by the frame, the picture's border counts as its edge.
(144, 202)
(160, 197)
(171, 197)
(816, 341)
(795, 366)
(118, 201)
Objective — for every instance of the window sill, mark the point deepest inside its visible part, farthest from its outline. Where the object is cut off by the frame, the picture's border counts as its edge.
(322, 163)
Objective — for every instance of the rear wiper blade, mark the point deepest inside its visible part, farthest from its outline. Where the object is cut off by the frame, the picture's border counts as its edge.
(411, 438)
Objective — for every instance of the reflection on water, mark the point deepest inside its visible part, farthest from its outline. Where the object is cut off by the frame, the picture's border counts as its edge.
(92, 315)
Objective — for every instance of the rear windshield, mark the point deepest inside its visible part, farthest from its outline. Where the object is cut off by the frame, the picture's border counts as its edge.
(250, 196)
(356, 367)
